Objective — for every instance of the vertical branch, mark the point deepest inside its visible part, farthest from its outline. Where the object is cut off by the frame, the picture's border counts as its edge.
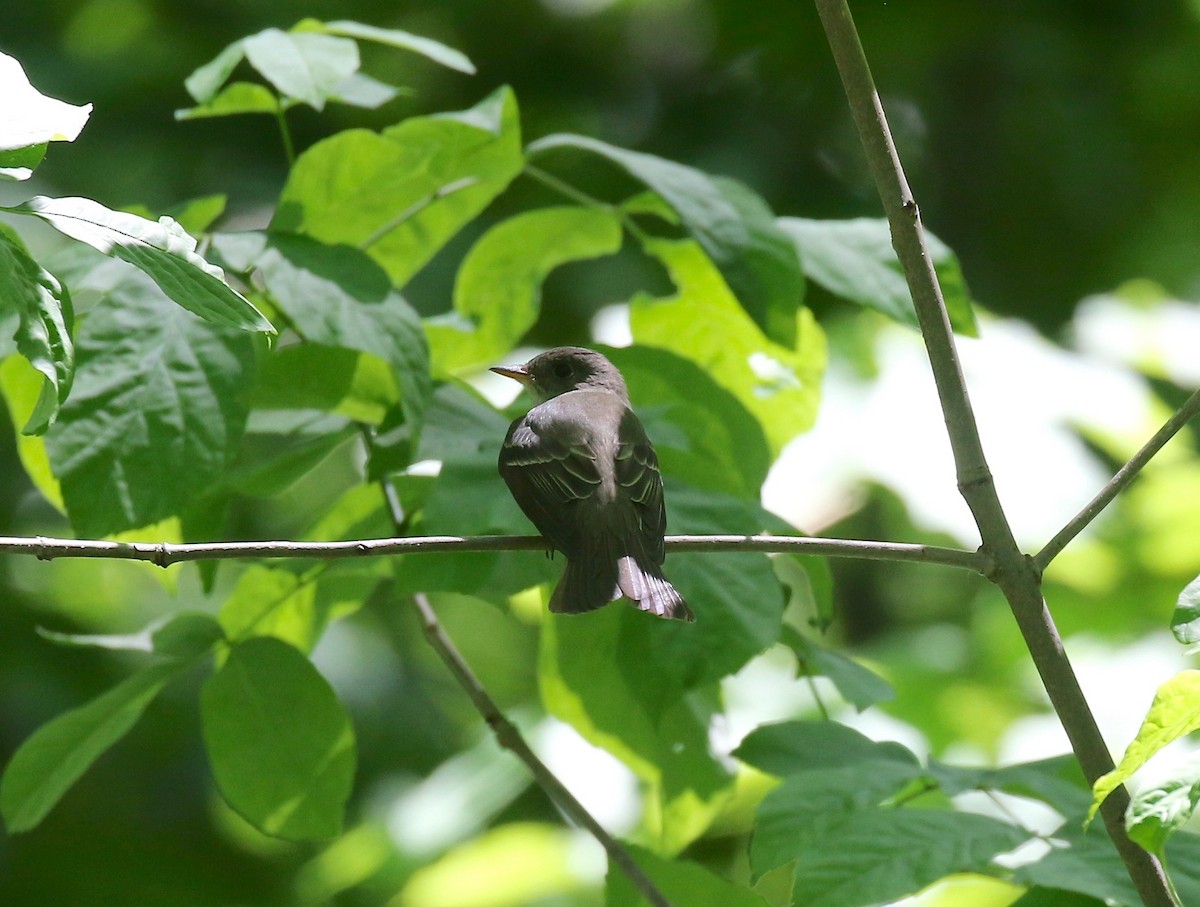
(1017, 576)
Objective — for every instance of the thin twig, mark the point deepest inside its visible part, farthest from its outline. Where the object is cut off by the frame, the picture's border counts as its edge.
(510, 738)
(1013, 572)
(163, 554)
(1117, 483)
(507, 734)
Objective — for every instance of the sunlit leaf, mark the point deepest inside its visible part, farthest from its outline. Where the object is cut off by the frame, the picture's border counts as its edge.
(161, 249)
(235, 98)
(1157, 812)
(403, 193)
(497, 292)
(31, 118)
(733, 226)
(288, 778)
(703, 322)
(305, 66)
(43, 307)
(394, 37)
(1174, 712)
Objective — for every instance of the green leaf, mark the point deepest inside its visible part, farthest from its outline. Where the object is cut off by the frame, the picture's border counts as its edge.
(680, 881)
(394, 37)
(854, 259)
(281, 447)
(734, 227)
(43, 336)
(497, 292)
(875, 856)
(792, 747)
(1157, 812)
(207, 80)
(703, 322)
(17, 164)
(1185, 622)
(701, 432)
(1174, 712)
(235, 98)
(362, 91)
(607, 676)
(198, 214)
(59, 752)
(155, 413)
(305, 66)
(356, 385)
(22, 388)
(288, 778)
(859, 686)
(1057, 781)
(402, 194)
(162, 250)
(296, 607)
(788, 813)
(337, 296)
(31, 118)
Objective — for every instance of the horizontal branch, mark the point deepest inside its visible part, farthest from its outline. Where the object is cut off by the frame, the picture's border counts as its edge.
(163, 554)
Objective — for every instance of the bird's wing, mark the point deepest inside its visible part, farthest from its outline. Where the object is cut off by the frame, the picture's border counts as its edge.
(638, 476)
(547, 477)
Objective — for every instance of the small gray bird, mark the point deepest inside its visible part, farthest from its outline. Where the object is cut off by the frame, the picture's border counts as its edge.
(580, 466)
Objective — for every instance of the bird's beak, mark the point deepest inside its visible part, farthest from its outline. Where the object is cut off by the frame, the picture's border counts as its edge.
(516, 372)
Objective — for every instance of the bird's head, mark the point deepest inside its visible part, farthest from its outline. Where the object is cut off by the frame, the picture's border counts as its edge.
(566, 368)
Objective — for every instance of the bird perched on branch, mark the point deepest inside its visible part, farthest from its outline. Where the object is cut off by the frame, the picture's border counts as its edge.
(580, 466)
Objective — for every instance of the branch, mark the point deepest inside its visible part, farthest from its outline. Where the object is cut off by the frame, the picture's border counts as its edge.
(1015, 574)
(1117, 483)
(164, 554)
(510, 738)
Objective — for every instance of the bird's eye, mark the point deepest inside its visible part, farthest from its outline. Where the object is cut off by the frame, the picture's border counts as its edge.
(562, 369)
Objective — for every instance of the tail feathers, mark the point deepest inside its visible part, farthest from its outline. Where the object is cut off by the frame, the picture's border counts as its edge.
(604, 575)
(650, 590)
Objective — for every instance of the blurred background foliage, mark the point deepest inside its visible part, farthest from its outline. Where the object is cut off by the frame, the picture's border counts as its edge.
(1052, 146)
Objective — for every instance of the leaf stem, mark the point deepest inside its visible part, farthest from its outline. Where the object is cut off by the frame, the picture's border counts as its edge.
(575, 194)
(1124, 476)
(1016, 575)
(416, 208)
(285, 133)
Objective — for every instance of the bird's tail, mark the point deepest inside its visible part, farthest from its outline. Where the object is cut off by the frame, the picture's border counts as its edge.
(592, 582)
(647, 588)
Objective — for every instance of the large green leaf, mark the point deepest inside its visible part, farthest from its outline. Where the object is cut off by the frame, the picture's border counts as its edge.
(281, 745)
(161, 249)
(337, 296)
(875, 856)
(681, 882)
(1174, 712)
(604, 674)
(703, 322)
(156, 410)
(59, 752)
(854, 259)
(356, 385)
(791, 811)
(43, 307)
(734, 226)
(497, 293)
(403, 193)
(1057, 781)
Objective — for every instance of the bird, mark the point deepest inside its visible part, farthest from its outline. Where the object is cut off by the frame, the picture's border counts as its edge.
(581, 468)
